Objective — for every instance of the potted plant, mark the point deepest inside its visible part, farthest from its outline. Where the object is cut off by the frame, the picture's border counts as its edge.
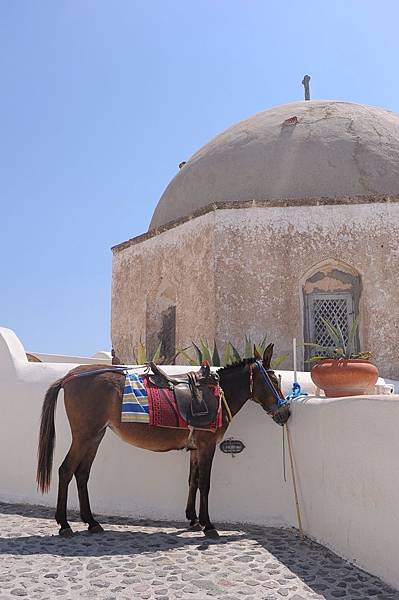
(338, 369)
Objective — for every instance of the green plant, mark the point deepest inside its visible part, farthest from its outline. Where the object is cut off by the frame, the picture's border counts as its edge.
(340, 349)
(229, 354)
(141, 356)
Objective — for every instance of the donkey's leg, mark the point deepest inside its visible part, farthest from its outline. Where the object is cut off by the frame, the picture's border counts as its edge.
(191, 513)
(65, 474)
(82, 474)
(206, 452)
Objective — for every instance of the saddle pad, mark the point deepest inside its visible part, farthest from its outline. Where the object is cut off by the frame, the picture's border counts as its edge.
(135, 400)
(163, 408)
(164, 412)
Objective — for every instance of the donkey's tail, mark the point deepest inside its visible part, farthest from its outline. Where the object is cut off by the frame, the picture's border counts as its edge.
(47, 437)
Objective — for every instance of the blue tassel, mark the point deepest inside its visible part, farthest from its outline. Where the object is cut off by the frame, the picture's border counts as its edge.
(296, 392)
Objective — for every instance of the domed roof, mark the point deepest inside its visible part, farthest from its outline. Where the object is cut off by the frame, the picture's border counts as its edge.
(294, 151)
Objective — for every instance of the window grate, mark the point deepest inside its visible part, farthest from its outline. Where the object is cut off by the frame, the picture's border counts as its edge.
(334, 310)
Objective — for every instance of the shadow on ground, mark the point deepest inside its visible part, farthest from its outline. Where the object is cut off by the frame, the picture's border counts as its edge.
(325, 573)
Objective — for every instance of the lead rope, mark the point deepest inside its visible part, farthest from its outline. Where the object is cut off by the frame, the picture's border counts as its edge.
(281, 402)
(298, 512)
(284, 473)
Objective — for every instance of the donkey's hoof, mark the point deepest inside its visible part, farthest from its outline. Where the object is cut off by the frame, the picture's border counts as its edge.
(212, 534)
(195, 525)
(66, 532)
(96, 528)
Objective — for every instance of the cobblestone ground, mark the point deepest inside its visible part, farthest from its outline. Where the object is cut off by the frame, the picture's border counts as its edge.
(160, 561)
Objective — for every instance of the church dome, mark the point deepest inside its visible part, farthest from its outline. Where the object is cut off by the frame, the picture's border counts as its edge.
(316, 148)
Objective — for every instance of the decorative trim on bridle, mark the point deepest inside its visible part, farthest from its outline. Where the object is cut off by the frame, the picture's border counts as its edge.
(279, 402)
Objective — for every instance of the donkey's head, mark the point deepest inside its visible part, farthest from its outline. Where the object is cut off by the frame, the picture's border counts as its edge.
(265, 387)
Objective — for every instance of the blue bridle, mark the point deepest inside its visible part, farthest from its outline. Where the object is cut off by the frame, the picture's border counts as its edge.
(279, 402)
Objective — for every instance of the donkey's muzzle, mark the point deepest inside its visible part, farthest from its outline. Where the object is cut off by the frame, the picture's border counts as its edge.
(281, 415)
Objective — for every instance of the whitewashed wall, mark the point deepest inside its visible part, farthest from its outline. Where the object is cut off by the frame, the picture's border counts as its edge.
(346, 455)
(101, 357)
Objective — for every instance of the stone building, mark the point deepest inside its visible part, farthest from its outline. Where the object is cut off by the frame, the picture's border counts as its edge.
(283, 218)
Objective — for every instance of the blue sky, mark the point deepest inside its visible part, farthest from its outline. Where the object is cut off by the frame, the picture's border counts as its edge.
(101, 100)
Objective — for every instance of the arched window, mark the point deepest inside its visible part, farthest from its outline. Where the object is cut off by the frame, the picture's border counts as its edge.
(331, 290)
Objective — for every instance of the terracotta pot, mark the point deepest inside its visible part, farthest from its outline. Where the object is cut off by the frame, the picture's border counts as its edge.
(344, 377)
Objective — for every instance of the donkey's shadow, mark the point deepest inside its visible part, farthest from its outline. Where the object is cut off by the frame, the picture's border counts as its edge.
(109, 543)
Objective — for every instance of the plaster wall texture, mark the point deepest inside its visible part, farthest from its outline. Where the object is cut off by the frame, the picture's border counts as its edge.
(264, 255)
(241, 271)
(177, 270)
(344, 452)
(332, 149)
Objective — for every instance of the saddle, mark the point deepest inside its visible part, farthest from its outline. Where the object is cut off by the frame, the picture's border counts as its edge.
(195, 400)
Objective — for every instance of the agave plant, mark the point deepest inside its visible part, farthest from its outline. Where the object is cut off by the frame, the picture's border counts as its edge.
(142, 357)
(340, 349)
(229, 354)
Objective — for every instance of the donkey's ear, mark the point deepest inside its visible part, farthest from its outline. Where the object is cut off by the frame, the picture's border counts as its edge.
(256, 353)
(267, 356)
(205, 368)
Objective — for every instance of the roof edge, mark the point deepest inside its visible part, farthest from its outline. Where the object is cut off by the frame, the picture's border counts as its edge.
(279, 203)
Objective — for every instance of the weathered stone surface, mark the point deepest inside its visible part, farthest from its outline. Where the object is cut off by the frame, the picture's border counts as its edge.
(239, 255)
(331, 149)
(117, 565)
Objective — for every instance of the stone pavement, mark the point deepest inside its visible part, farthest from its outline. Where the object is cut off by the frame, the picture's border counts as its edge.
(162, 561)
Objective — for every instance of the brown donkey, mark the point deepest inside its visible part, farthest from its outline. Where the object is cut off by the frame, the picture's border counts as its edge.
(93, 403)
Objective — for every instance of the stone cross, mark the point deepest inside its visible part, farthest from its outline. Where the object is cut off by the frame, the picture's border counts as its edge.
(305, 83)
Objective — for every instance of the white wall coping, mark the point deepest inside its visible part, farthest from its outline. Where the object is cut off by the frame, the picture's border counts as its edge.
(98, 358)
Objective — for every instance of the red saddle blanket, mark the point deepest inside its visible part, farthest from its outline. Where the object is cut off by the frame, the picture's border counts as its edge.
(163, 409)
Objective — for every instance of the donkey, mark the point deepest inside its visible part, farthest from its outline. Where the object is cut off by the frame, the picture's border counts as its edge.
(93, 403)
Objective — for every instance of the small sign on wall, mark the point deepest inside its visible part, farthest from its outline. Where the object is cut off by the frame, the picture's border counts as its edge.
(232, 446)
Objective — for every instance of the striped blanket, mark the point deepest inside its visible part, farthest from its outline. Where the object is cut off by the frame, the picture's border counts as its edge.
(135, 399)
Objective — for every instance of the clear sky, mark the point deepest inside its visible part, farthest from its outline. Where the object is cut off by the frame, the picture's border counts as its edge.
(100, 101)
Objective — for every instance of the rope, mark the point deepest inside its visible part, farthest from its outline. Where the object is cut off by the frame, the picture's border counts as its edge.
(70, 376)
(298, 512)
(284, 473)
(227, 407)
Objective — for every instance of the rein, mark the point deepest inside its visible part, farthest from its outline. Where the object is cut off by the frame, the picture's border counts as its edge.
(69, 378)
(123, 370)
(279, 402)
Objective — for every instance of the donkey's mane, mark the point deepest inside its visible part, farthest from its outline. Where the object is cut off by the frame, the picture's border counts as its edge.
(236, 365)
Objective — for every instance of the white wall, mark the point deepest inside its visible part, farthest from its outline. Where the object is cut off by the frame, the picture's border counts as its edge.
(346, 453)
(101, 357)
